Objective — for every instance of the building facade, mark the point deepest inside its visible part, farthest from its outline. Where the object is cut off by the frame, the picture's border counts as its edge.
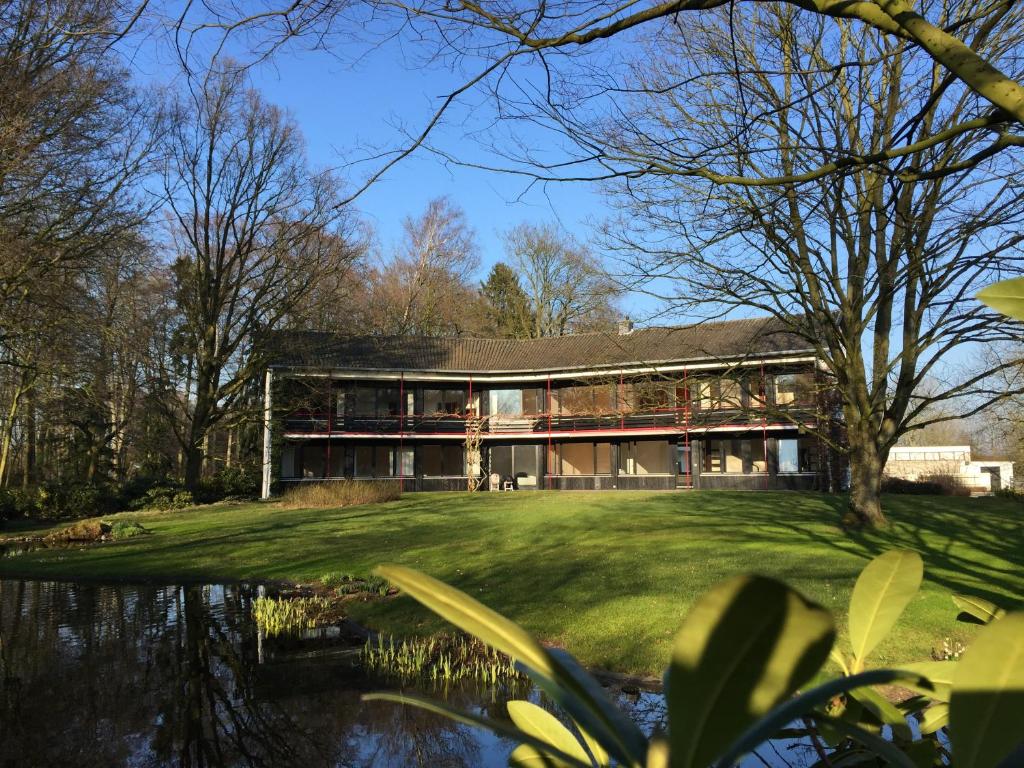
(718, 405)
(949, 462)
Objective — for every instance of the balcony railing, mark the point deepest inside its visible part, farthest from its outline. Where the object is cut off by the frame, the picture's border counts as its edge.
(307, 422)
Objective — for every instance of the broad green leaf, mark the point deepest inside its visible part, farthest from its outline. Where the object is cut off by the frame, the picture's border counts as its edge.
(938, 673)
(805, 704)
(883, 748)
(555, 672)
(468, 718)
(1006, 296)
(883, 590)
(983, 610)
(657, 754)
(986, 709)
(526, 756)
(884, 710)
(934, 718)
(534, 720)
(745, 646)
(922, 752)
(596, 750)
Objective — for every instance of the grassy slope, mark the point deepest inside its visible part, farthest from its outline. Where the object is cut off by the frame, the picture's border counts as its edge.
(607, 575)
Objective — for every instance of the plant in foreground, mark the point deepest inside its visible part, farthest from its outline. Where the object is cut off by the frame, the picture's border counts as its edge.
(743, 651)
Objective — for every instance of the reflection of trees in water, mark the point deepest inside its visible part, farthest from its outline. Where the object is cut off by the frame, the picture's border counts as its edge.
(108, 675)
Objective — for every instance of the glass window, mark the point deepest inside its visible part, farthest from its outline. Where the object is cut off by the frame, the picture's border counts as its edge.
(703, 395)
(388, 402)
(735, 455)
(366, 401)
(364, 461)
(534, 402)
(506, 402)
(729, 393)
(313, 460)
(574, 401)
(447, 460)
(576, 458)
(794, 389)
(408, 468)
(789, 455)
(645, 457)
(443, 401)
(603, 462)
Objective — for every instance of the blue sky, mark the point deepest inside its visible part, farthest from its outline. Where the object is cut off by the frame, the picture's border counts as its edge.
(345, 111)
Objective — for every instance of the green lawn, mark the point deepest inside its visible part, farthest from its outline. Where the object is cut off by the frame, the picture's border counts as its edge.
(607, 575)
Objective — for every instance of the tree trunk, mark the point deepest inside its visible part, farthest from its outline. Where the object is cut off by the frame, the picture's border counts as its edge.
(193, 471)
(866, 482)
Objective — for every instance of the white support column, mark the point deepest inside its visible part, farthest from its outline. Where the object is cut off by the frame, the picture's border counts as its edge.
(267, 436)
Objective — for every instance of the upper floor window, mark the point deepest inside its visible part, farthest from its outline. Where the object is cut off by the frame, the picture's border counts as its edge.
(646, 397)
(515, 402)
(720, 393)
(438, 402)
(377, 402)
(585, 400)
(794, 389)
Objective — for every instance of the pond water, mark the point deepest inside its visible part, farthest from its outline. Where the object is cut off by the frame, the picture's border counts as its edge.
(150, 675)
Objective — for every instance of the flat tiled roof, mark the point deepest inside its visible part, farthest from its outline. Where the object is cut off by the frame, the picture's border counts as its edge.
(724, 340)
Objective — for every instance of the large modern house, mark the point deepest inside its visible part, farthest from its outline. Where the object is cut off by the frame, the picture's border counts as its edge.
(715, 405)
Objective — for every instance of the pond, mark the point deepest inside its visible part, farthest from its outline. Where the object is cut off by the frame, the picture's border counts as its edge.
(152, 675)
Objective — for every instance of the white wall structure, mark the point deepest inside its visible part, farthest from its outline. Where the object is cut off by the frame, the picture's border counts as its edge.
(925, 462)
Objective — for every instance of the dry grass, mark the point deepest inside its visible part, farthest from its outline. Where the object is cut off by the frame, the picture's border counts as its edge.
(340, 493)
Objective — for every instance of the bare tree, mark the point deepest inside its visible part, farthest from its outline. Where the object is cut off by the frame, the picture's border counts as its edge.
(533, 60)
(566, 288)
(252, 231)
(875, 266)
(425, 287)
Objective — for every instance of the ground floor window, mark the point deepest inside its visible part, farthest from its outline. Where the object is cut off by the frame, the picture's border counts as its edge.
(735, 456)
(383, 461)
(798, 454)
(584, 458)
(445, 460)
(515, 464)
(645, 457)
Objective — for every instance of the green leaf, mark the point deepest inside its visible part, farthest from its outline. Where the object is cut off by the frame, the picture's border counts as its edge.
(1006, 296)
(883, 590)
(934, 718)
(986, 709)
(806, 702)
(984, 611)
(555, 672)
(938, 673)
(596, 750)
(746, 645)
(527, 756)
(467, 718)
(534, 720)
(922, 753)
(885, 749)
(885, 711)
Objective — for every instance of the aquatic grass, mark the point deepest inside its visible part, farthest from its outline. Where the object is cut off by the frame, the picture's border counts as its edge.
(340, 493)
(441, 658)
(347, 584)
(289, 616)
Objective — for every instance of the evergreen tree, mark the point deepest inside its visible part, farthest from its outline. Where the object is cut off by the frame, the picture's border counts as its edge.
(506, 303)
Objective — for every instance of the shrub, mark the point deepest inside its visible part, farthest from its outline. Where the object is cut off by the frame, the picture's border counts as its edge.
(228, 483)
(1010, 493)
(340, 493)
(164, 497)
(932, 485)
(124, 529)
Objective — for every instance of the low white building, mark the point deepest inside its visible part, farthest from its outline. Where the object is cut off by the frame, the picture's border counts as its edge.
(928, 462)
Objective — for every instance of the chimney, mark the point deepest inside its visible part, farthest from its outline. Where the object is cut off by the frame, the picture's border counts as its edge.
(625, 326)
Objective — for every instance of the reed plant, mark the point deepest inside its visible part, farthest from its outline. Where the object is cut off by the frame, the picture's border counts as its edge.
(340, 493)
(289, 616)
(441, 658)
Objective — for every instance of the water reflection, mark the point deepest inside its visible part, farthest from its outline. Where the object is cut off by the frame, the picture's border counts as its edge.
(96, 675)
